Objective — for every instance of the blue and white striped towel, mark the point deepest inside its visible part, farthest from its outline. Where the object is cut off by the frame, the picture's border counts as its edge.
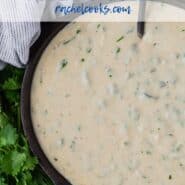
(16, 38)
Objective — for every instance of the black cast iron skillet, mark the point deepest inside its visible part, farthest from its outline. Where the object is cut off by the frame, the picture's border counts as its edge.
(49, 31)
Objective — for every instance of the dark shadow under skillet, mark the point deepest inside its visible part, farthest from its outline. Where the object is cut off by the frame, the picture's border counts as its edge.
(37, 52)
(49, 31)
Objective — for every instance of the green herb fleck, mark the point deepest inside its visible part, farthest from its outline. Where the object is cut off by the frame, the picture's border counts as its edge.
(98, 26)
(72, 146)
(67, 95)
(118, 50)
(126, 143)
(153, 70)
(179, 147)
(63, 63)
(181, 165)
(155, 44)
(171, 135)
(82, 60)
(104, 29)
(89, 50)
(78, 31)
(151, 96)
(62, 141)
(148, 152)
(162, 84)
(170, 177)
(119, 39)
(79, 128)
(41, 79)
(109, 72)
(68, 41)
(177, 55)
(144, 177)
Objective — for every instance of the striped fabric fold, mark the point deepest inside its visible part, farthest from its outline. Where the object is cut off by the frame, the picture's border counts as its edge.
(17, 37)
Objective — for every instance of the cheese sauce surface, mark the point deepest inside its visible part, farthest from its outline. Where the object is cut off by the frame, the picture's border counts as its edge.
(109, 108)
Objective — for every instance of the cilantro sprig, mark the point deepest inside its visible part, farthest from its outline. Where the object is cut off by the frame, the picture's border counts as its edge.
(17, 164)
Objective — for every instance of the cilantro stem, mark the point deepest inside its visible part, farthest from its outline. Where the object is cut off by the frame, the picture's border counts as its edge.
(119, 39)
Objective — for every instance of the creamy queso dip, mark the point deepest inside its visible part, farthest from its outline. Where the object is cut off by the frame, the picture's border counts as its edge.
(109, 108)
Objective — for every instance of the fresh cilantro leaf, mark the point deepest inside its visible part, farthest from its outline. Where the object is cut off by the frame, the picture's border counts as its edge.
(12, 97)
(12, 163)
(63, 64)
(2, 181)
(25, 179)
(8, 135)
(11, 73)
(11, 84)
(3, 119)
(30, 163)
(17, 164)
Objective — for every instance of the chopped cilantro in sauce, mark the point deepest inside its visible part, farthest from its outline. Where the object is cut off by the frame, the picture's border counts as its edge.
(118, 50)
(119, 39)
(63, 64)
(68, 41)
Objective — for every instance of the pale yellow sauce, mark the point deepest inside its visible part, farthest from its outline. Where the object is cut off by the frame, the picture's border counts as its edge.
(109, 108)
